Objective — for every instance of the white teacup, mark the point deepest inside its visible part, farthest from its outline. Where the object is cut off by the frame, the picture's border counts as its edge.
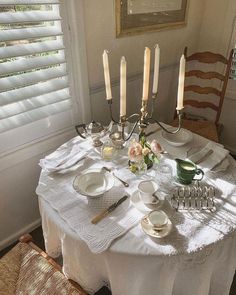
(158, 219)
(146, 190)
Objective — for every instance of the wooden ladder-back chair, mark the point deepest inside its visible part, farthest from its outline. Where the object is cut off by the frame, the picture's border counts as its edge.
(199, 124)
(26, 269)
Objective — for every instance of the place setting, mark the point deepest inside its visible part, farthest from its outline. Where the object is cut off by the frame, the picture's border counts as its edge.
(98, 189)
(99, 183)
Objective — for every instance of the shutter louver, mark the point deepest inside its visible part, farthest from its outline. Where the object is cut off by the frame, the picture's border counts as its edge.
(33, 76)
(233, 67)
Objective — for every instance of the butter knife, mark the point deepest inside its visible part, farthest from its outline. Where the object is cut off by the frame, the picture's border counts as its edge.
(107, 211)
(204, 157)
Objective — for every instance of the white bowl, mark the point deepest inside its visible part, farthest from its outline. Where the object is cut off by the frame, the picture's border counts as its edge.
(178, 139)
(93, 183)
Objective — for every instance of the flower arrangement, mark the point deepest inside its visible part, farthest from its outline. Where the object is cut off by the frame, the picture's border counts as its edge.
(142, 155)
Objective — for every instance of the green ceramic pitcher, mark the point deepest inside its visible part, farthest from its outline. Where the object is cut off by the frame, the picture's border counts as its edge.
(186, 171)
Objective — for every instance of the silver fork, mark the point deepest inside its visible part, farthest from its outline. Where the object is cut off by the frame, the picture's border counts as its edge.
(122, 181)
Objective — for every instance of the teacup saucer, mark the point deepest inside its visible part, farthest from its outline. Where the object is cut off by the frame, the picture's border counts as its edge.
(137, 202)
(149, 230)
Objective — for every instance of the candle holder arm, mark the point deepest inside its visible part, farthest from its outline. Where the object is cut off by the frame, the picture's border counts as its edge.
(110, 109)
(164, 128)
(133, 115)
(131, 132)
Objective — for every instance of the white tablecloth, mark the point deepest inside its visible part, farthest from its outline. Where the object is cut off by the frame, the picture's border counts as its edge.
(136, 264)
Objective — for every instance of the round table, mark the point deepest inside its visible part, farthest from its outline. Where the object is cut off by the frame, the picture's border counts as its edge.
(134, 263)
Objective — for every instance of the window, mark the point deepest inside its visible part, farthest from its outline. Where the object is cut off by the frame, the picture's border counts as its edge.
(35, 99)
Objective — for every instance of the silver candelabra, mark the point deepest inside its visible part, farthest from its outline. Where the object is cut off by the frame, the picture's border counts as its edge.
(143, 119)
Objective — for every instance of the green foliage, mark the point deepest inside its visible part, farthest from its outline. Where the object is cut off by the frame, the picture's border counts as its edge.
(133, 168)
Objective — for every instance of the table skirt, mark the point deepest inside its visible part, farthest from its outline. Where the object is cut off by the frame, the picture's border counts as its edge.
(207, 272)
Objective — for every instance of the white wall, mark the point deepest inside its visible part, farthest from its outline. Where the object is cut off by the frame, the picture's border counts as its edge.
(18, 202)
(100, 35)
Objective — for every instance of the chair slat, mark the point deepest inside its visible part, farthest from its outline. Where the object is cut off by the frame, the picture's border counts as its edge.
(200, 104)
(202, 90)
(205, 75)
(207, 57)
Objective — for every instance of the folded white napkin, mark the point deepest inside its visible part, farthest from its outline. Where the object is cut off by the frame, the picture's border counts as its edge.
(62, 159)
(218, 155)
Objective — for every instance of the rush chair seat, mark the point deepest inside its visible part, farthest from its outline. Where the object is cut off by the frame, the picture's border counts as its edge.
(205, 97)
(26, 269)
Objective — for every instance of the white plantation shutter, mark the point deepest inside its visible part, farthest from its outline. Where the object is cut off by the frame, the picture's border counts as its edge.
(33, 75)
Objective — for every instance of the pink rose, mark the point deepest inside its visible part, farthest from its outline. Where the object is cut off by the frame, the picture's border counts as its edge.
(135, 151)
(155, 147)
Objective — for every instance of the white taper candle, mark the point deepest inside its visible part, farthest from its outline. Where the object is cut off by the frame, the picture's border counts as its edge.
(156, 69)
(107, 75)
(180, 97)
(146, 73)
(123, 86)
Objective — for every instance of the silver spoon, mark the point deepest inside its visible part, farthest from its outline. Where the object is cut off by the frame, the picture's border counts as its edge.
(122, 181)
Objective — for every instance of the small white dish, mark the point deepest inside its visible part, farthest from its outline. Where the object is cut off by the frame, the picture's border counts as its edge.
(150, 231)
(178, 139)
(140, 206)
(92, 183)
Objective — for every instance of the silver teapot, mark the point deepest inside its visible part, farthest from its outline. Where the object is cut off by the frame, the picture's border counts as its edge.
(93, 129)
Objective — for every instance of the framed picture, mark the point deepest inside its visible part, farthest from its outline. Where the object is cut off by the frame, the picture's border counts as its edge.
(139, 16)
